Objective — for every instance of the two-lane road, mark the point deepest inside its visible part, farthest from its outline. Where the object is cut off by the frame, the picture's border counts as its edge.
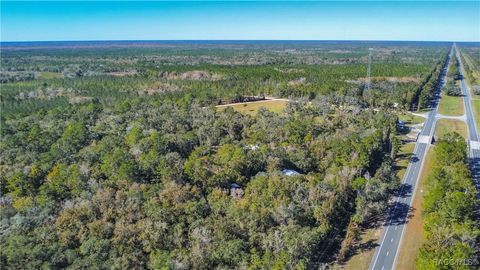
(473, 138)
(386, 254)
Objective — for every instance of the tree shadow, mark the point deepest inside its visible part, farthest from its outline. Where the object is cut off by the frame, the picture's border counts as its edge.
(370, 244)
(402, 156)
(360, 245)
(475, 171)
(403, 191)
(405, 155)
(404, 130)
(399, 214)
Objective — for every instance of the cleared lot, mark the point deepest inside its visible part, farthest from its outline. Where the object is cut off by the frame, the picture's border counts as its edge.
(252, 108)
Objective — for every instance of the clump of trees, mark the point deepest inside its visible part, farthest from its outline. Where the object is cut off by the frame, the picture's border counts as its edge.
(6, 77)
(452, 88)
(476, 89)
(429, 87)
(454, 68)
(450, 225)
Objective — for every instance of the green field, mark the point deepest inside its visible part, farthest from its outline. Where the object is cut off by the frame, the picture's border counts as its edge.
(476, 110)
(445, 126)
(452, 106)
(45, 75)
(252, 108)
(410, 119)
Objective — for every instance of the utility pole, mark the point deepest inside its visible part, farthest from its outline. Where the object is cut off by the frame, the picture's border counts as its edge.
(367, 86)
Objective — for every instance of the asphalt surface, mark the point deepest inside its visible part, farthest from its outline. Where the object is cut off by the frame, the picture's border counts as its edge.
(473, 138)
(386, 253)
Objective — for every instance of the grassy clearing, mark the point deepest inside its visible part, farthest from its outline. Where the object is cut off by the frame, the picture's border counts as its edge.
(50, 75)
(452, 106)
(476, 111)
(445, 126)
(413, 237)
(410, 119)
(252, 108)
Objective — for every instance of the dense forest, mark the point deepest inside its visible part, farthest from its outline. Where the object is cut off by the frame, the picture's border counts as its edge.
(147, 183)
(215, 74)
(116, 157)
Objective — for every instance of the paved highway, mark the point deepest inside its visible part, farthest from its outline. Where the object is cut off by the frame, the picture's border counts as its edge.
(386, 253)
(473, 138)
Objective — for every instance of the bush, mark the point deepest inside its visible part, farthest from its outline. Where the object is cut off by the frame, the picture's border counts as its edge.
(453, 90)
(476, 89)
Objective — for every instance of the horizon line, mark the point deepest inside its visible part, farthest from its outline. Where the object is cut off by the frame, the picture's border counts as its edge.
(176, 40)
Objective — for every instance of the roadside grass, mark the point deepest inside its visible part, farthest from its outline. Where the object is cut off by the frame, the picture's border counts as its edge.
(452, 106)
(476, 111)
(403, 157)
(445, 126)
(362, 259)
(424, 110)
(410, 119)
(252, 108)
(413, 237)
(45, 75)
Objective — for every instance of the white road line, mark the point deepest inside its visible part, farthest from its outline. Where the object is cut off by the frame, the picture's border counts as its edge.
(424, 139)
(475, 145)
(380, 248)
(429, 125)
(432, 131)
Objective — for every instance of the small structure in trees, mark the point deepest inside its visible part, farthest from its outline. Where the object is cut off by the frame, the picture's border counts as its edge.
(290, 172)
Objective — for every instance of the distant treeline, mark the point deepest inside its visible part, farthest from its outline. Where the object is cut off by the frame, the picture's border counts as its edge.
(217, 75)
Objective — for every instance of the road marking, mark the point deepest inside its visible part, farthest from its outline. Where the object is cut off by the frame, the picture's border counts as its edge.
(430, 128)
(413, 174)
(391, 240)
(475, 145)
(424, 139)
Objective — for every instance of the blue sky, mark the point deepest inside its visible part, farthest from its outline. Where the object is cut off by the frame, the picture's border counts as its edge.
(324, 20)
